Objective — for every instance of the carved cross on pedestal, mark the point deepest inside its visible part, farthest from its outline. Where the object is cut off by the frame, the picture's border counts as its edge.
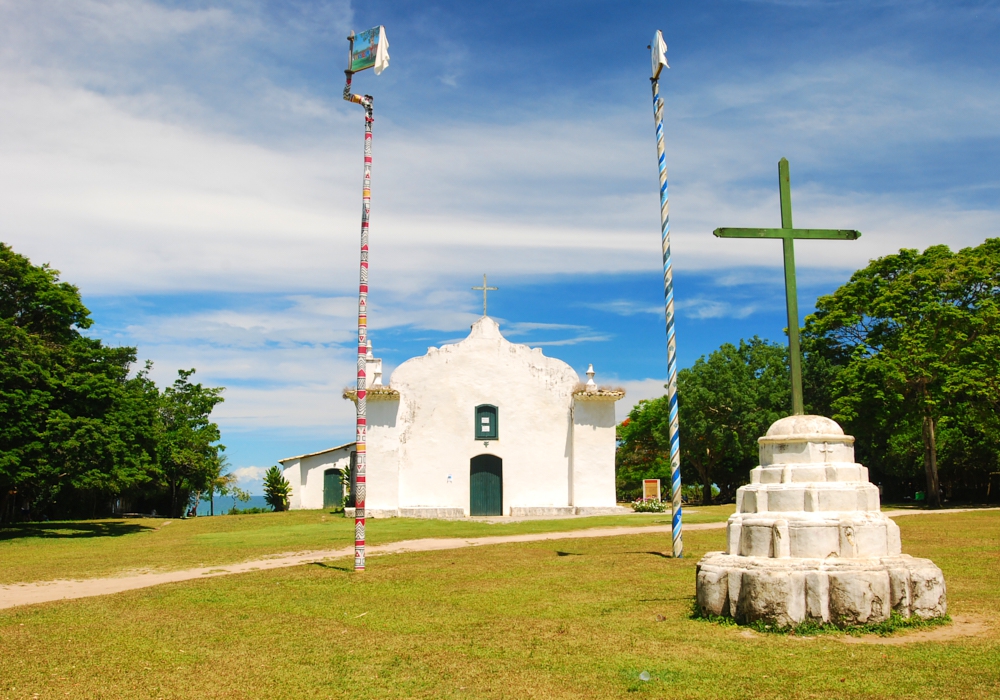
(485, 289)
(787, 234)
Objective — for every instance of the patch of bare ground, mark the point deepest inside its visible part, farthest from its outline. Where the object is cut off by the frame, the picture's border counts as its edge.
(960, 626)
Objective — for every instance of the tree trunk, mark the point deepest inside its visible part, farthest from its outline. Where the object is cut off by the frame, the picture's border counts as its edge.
(705, 472)
(930, 463)
(211, 501)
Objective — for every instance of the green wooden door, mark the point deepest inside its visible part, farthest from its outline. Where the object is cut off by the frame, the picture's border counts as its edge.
(486, 485)
(333, 491)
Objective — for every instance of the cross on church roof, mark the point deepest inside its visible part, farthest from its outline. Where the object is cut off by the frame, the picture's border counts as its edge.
(485, 289)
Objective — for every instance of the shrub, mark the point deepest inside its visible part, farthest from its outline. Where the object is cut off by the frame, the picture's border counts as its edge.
(276, 489)
(641, 506)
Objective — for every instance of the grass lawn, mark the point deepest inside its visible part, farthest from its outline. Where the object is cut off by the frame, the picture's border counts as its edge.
(564, 619)
(93, 548)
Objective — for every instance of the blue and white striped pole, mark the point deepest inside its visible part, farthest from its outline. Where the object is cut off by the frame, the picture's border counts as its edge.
(658, 50)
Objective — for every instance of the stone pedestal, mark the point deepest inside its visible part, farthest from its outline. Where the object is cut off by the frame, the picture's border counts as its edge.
(808, 540)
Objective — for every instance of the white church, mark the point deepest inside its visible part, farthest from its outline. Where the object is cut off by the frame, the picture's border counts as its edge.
(480, 427)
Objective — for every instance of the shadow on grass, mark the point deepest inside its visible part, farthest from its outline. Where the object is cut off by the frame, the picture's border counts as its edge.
(72, 530)
(567, 554)
(662, 555)
(324, 565)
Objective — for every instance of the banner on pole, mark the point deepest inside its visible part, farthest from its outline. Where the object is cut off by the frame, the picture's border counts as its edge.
(370, 50)
(658, 53)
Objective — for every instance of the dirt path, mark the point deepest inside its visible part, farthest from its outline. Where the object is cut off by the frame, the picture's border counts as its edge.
(15, 595)
(47, 591)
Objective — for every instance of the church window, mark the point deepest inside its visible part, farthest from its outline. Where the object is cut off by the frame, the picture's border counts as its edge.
(486, 422)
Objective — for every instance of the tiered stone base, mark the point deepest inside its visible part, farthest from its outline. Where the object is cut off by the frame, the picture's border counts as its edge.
(786, 592)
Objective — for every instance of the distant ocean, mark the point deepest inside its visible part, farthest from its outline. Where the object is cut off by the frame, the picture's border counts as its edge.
(223, 504)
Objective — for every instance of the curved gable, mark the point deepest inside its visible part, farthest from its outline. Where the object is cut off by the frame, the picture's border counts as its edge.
(487, 360)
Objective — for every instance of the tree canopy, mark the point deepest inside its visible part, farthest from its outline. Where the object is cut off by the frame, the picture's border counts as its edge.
(905, 355)
(724, 403)
(80, 430)
(915, 338)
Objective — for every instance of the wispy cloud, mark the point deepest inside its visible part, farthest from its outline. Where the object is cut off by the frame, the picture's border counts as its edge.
(713, 308)
(623, 307)
(522, 327)
(591, 338)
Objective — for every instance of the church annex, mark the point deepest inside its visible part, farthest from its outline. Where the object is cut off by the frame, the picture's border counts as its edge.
(480, 427)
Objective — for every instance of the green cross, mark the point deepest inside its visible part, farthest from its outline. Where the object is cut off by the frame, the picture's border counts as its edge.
(787, 234)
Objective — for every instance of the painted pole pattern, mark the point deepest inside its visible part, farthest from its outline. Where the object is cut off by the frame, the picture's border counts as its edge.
(362, 388)
(668, 299)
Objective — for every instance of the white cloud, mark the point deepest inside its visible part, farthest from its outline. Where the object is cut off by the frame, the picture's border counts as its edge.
(623, 307)
(635, 391)
(245, 474)
(702, 308)
(147, 149)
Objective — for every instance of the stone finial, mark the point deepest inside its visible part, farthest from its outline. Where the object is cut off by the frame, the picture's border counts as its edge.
(369, 355)
(590, 378)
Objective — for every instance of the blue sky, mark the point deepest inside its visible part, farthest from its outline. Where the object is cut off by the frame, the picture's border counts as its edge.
(192, 167)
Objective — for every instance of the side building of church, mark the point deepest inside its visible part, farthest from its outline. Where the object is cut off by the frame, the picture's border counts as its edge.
(480, 427)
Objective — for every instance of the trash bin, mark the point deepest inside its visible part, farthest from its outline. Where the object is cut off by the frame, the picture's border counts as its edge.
(920, 496)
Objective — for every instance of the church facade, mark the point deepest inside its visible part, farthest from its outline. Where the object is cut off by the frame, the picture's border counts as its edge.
(480, 427)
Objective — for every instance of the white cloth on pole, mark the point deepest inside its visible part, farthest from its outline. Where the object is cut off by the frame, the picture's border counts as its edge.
(382, 52)
(658, 52)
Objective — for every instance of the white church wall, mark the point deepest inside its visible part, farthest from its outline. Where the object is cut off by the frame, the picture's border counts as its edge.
(382, 450)
(435, 422)
(292, 471)
(593, 453)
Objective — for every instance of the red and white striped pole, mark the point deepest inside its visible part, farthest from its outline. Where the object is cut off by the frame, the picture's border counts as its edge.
(362, 427)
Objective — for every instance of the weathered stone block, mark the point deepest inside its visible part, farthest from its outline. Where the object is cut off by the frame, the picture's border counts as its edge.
(713, 591)
(755, 540)
(818, 596)
(899, 591)
(858, 597)
(928, 596)
(777, 597)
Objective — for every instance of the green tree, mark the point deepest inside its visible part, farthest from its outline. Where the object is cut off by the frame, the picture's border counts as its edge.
(219, 483)
(640, 453)
(190, 453)
(725, 402)
(276, 489)
(73, 424)
(917, 338)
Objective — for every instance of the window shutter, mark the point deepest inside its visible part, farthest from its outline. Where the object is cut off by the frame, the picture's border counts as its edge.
(486, 423)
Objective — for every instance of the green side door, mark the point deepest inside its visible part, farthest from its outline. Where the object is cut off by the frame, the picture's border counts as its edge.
(486, 485)
(333, 491)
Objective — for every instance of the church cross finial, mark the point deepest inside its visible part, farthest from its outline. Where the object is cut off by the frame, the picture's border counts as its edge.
(485, 289)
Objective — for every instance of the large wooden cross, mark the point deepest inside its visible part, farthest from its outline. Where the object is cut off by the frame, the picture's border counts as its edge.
(787, 234)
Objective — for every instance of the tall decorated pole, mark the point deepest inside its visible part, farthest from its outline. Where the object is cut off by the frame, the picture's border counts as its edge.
(658, 53)
(368, 49)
